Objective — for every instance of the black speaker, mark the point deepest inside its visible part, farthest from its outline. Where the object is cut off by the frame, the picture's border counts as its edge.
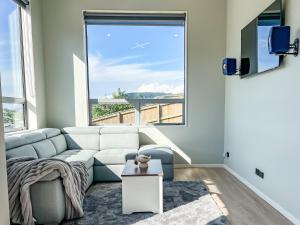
(245, 66)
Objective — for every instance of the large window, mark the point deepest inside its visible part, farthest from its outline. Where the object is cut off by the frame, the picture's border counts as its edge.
(136, 68)
(11, 67)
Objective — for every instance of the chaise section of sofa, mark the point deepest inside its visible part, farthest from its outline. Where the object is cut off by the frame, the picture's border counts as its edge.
(104, 151)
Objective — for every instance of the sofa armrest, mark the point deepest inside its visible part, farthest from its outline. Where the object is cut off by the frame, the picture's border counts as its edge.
(48, 201)
(154, 146)
(164, 153)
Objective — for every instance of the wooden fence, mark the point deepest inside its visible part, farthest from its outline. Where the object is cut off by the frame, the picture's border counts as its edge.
(151, 114)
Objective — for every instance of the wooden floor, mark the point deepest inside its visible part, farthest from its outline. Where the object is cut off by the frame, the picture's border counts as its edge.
(238, 203)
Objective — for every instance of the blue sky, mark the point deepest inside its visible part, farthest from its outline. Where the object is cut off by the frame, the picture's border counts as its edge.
(10, 66)
(135, 59)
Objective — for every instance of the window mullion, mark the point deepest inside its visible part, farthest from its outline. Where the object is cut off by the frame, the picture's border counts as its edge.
(137, 110)
(25, 115)
(12, 100)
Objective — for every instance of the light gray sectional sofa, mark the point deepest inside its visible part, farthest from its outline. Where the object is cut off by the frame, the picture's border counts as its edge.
(104, 150)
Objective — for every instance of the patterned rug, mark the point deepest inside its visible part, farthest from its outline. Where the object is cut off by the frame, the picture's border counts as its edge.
(185, 203)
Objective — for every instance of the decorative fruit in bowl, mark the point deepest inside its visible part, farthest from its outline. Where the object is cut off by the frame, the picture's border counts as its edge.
(143, 160)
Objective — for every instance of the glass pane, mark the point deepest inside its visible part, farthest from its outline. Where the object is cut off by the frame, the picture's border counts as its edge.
(143, 62)
(10, 50)
(13, 116)
(162, 113)
(265, 60)
(113, 114)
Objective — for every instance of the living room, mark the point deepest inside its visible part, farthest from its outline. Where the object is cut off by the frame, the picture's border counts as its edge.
(94, 87)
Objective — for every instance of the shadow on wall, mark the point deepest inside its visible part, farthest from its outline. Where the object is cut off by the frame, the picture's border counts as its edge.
(151, 135)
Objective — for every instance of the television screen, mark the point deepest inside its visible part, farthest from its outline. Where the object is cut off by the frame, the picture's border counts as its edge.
(255, 56)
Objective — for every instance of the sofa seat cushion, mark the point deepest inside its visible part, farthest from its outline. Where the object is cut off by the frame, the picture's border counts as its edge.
(164, 153)
(85, 156)
(114, 156)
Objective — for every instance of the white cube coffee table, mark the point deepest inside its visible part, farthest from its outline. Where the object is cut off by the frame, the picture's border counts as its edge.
(142, 188)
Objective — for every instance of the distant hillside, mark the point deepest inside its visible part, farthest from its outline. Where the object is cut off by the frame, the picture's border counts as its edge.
(153, 95)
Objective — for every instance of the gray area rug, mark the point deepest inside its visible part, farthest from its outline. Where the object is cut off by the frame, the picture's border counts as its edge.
(185, 203)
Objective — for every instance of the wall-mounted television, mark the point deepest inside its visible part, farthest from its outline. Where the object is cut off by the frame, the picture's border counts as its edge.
(255, 56)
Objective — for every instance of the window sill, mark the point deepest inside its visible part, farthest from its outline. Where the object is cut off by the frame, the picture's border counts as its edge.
(16, 131)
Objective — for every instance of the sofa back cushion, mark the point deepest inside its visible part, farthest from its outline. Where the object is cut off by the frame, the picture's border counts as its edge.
(119, 138)
(57, 139)
(34, 136)
(50, 132)
(44, 149)
(19, 145)
(14, 142)
(35, 143)
(59, 143)
(82, 137)
(25, 150)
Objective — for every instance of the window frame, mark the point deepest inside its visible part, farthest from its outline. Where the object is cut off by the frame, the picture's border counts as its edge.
(137, 103)
(16, 100)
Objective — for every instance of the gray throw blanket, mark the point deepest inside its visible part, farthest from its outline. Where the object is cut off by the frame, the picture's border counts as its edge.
(25, 171)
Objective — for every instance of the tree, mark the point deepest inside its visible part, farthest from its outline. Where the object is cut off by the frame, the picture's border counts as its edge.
(107, 109)
(119, 94)
(9, 116)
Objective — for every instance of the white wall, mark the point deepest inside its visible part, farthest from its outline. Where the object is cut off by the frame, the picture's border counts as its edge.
(202, 139)
(34, 65)
(38, 59)
(4, 210)
(262, 115)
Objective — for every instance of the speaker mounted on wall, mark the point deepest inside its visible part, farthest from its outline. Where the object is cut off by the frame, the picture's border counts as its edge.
(229, 66)
(279, 41)
(245, 66)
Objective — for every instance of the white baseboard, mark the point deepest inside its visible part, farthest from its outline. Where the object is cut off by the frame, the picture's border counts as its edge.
(275, 205)
(178, 166)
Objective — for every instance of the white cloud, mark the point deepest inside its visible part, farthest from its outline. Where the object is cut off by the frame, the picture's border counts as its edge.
(157, 87)
(140, 45)
(98, 60)
(127, 73)
(120, 70)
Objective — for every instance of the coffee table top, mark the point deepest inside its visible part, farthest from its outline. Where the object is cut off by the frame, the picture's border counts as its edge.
(154, 169)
